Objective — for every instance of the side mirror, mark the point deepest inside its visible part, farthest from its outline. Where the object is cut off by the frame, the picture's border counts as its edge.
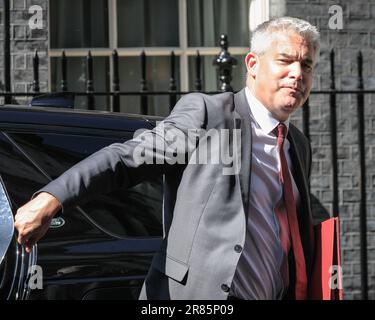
(57, 99)
(6, 223)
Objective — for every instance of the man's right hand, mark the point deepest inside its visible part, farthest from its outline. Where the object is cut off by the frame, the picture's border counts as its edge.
(33, 219)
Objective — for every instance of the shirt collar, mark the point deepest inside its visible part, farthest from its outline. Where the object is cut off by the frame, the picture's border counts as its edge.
(261, 114)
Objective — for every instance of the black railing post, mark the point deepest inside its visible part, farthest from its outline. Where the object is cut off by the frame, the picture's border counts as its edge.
(115, 83)
(333, 126)
(7, 64)
(362, 180)
(306, 119)
(144, 106)
(36, 72)
(225, 62)
(198, 79)
(90, 82)
(64, 82)
(172, 83)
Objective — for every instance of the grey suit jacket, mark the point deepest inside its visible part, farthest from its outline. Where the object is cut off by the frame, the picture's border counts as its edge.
(205, 211)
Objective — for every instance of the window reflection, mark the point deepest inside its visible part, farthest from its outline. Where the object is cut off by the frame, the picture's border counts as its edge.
(208, 19)
(79, 23)
(132, 212)
(147, 23)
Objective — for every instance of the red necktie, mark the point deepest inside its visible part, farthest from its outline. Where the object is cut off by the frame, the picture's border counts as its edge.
(290, 218)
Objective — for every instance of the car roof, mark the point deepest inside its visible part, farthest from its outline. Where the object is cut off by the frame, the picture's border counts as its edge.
(75, 118)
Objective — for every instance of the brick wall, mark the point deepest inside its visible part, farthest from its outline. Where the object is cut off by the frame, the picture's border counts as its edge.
(358, 33)
(24, 42)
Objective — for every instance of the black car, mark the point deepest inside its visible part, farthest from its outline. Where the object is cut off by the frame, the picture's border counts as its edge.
(101, 249)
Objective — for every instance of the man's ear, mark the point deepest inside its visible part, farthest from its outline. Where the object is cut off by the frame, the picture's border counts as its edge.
(252, 63)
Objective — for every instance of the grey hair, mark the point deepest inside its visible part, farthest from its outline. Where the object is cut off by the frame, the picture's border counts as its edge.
(263, 34)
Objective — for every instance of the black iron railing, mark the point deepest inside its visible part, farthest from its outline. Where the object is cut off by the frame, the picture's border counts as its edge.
(224, 63)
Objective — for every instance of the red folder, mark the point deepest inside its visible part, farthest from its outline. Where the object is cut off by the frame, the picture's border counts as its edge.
(326, 280)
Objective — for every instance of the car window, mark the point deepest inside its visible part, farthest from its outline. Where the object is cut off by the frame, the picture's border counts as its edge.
(133, 212)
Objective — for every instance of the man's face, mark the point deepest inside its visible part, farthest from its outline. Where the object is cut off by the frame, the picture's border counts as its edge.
(281, 78)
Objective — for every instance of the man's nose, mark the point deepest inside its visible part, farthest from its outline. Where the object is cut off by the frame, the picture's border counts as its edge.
(296, 71)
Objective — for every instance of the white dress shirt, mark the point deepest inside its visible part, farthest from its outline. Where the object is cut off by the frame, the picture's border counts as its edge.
(258, 272)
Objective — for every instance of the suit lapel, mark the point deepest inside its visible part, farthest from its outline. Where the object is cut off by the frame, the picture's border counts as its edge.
(243, 122)
(304, 211)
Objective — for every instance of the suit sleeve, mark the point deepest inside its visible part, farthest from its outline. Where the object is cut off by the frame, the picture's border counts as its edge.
(151, 153)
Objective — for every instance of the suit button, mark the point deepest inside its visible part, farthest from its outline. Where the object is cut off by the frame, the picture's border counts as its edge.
(237, 248)
(225, 288)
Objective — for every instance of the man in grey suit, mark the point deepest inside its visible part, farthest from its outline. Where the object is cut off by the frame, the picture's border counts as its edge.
(231, 181)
